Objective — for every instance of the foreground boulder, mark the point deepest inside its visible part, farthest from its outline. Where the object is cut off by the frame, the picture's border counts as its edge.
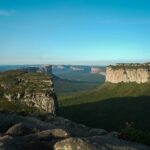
(49, 134)
(56, 134)
(18, 130)
(73, 144)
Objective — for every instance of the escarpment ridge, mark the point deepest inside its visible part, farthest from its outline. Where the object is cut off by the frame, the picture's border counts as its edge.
(47, 131)
(30, 87)
(132, 72)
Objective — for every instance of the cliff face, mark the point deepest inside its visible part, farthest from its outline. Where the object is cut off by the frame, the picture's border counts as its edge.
(33, 89)
(139, 73)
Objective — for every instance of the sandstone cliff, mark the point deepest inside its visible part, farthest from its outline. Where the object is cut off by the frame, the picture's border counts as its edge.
(33, 89)
(45, 132)
(139, 73)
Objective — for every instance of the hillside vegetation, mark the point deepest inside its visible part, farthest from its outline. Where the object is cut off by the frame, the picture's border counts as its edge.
(18, 108)
(65, 87)
(110, 106)
(81, 76)
(106, 91)
(68, 81)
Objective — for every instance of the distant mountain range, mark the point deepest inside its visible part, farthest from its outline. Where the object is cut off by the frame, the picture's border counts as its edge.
(90, 69)
(14, 67)
(70, 72)
(60, 68)
(80, 73)
(67, 78)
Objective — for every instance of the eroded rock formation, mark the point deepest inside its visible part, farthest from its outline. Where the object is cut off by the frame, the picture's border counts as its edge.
(33, 89)
(46, 131)
(139, 73)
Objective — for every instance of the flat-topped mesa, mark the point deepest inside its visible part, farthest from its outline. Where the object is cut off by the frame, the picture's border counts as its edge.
(46, 69)
(129, 72)
(32, 88)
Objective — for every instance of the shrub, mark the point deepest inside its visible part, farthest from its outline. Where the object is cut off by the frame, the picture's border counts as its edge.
(18, 108)
(133, 134)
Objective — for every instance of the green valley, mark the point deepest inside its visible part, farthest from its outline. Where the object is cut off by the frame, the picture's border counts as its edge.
(109, 106)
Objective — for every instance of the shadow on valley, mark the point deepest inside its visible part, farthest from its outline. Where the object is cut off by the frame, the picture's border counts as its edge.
(65, 86)
(111, 114)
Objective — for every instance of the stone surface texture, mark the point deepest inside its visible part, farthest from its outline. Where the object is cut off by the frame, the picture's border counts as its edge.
(139, 73)
(30, 87)
(56, 134)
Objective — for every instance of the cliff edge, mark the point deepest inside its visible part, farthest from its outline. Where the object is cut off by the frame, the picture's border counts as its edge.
(32, 88)
(139, 73)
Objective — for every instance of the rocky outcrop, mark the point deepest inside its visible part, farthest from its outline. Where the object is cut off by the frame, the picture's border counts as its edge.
(46, 131)
(18, 129)
(56, 133)
(74, 144)
(33, 89)
(98, 70)
(139, 73)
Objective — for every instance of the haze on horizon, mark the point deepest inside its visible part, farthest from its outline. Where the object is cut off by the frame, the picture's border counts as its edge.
(74, 31)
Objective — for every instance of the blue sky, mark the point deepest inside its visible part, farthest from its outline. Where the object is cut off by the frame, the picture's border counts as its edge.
(74, 31)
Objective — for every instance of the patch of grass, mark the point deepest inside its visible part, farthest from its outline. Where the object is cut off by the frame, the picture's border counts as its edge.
(130, 66)
(65, 87)
(111, 114)
(19, 108)
(109, 106)
(81, 76)
(106, 91)
(18, 82)
(136, 135)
